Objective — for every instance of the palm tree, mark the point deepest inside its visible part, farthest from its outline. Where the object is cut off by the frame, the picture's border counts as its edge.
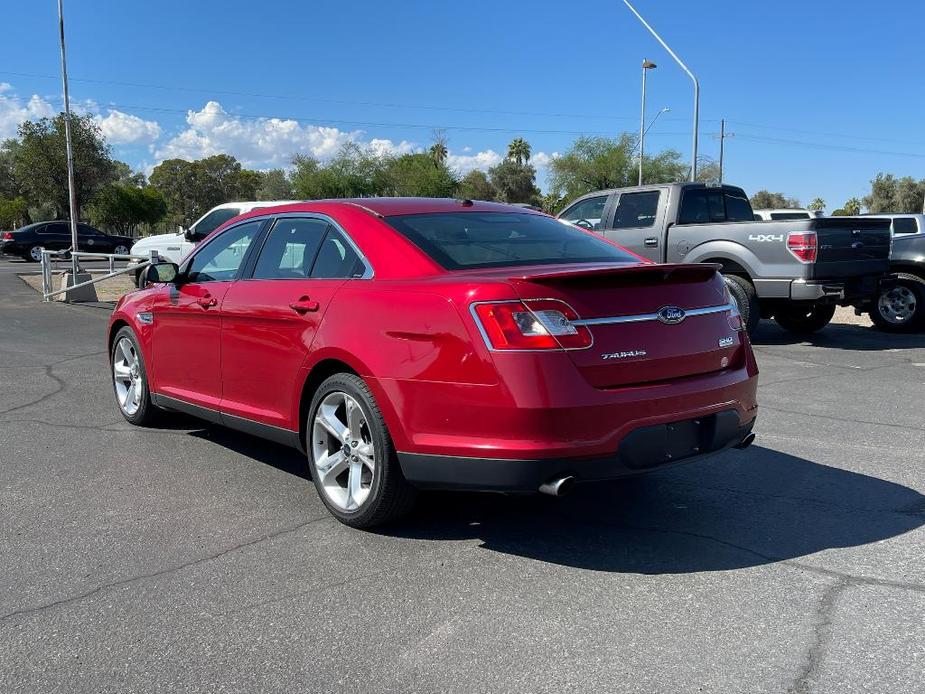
(438, 152)
(816, 204)
(519, 151)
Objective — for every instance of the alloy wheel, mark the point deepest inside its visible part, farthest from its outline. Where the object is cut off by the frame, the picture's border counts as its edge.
(120, 250)
(126, 374)
(343, 454)
(36, 253)
(898, 305)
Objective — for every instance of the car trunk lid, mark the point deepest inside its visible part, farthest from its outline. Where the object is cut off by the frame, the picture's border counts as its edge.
(648, 322)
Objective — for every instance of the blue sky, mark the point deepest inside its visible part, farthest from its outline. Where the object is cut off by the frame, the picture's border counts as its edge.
(820, 95)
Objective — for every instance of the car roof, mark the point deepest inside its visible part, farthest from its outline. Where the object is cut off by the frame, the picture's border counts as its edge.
(387, 207)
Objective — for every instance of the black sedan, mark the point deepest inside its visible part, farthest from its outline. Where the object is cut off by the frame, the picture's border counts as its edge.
(29, 241)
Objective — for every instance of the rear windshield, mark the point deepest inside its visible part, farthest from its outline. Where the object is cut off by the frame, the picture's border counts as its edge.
(789, 215)
(463, 240)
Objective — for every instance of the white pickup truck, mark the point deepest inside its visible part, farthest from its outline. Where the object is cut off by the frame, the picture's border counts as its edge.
(174, 247)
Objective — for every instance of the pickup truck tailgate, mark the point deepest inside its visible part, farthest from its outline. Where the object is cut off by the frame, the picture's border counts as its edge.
(851, 246)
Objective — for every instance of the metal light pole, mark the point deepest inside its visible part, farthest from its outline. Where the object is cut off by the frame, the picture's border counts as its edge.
(70, 154)
(689, 74)
(646, 66)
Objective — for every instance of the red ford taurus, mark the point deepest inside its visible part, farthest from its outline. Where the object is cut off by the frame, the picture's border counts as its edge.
(411, 344)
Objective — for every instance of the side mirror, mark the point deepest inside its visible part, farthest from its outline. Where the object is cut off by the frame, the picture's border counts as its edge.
(161, 273)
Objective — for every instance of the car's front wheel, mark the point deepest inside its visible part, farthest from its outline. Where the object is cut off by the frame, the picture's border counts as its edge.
(901, 308)
(130, 379)
(352, 458)
(120, 250)
(804, 320)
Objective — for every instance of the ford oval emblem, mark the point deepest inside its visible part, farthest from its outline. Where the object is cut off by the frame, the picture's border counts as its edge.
(670, 315)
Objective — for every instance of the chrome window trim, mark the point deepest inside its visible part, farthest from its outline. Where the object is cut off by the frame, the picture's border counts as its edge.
(643, 317)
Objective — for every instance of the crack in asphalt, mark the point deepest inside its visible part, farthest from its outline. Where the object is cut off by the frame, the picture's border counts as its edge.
(848, 420)
(61, 384)
(822, 632)
(27, 611)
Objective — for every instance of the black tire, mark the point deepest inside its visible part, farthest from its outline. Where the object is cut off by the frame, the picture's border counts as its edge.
(885, 319)
(390, 495)
(27, 256)
(805, 319)
(746, 298)
(147, 413)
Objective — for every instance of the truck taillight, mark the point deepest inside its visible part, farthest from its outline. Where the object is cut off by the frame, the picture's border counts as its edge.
(532, 325)
(803, 245)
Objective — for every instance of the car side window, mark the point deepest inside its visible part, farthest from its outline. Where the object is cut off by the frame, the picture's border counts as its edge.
(336, 258)
(221, 259)
(904, 225)
(636, 210)
(290, 249)
(54, 228)
(590, 211)
(213, 221)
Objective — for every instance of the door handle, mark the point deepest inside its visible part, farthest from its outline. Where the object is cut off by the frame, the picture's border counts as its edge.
(304, 305)
(651, 242)
(207, 301)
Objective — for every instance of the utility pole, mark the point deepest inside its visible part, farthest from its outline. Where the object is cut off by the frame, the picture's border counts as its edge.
(689, 74)
(722, 146)
(70, 153)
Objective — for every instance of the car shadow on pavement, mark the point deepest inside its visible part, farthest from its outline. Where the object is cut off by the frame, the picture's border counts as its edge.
(737, 510)
(838, 336)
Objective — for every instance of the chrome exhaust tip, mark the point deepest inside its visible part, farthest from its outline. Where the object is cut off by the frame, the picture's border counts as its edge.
(558, 487)
(746, 442)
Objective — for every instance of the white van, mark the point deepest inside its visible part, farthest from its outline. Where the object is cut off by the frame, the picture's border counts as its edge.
(175, 247)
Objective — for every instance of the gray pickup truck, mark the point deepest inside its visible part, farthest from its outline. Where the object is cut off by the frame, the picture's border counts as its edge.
(795, 271)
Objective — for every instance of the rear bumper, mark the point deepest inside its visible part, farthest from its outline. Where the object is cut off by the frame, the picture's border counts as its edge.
(848, 290)
(642, 450)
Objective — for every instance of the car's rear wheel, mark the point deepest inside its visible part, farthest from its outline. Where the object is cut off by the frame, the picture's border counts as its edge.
(803, 319)
(352, 458)
(35, 254)
(130, 379)
(901, 308)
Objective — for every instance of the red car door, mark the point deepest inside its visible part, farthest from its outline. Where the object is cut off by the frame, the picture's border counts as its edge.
(270, 319)
(187, 319)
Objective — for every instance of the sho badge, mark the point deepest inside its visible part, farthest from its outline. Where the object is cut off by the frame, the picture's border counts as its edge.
(625, 355)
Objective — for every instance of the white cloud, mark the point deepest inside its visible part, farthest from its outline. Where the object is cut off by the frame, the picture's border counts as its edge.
(541, 160)
(5, 87)
(14, 111)
(123, 128)
(262, 142)
(464, 163)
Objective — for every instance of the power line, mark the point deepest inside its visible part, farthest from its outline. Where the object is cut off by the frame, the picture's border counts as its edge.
(825, 146)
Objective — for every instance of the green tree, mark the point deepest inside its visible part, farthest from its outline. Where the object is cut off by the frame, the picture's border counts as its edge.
(14, 213)
(596, 163)
(707, 171)
(519, 151)
(9, 186)
(476, 186)
(439, 152)
(852, 207)
(765, 200)
(125, 174)
(40, 162)
(191, 188)
(123, 207)
(818, 204)
(515, 182)
(354, 172)
(274, 185)
(419, 175)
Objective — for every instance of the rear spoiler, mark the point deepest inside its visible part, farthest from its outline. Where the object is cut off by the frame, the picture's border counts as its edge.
(681, 272)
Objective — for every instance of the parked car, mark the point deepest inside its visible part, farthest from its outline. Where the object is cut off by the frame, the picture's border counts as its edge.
(901, 307)
(29, 241)
(796, 271)
(785, 214)
(408, 343)
(174, 247)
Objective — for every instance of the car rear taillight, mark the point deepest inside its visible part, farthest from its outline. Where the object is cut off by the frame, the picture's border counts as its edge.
(803, 245)
(7, 236)
(733, 315)
(531, 324)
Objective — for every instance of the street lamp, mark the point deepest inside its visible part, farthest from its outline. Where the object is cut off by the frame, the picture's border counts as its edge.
(646, 66)
(689, 74)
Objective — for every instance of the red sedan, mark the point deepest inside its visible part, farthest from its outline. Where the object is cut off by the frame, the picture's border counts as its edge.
(409, 344)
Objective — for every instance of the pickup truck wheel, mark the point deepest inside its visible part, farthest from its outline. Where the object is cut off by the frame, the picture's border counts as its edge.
(901, 309)
(746, 298)
(804, 320)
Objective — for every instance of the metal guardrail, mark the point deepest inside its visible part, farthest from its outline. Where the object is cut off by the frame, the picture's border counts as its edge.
(48, 257)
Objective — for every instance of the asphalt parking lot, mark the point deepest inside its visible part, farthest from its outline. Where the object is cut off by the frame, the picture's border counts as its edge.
(193, 558)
